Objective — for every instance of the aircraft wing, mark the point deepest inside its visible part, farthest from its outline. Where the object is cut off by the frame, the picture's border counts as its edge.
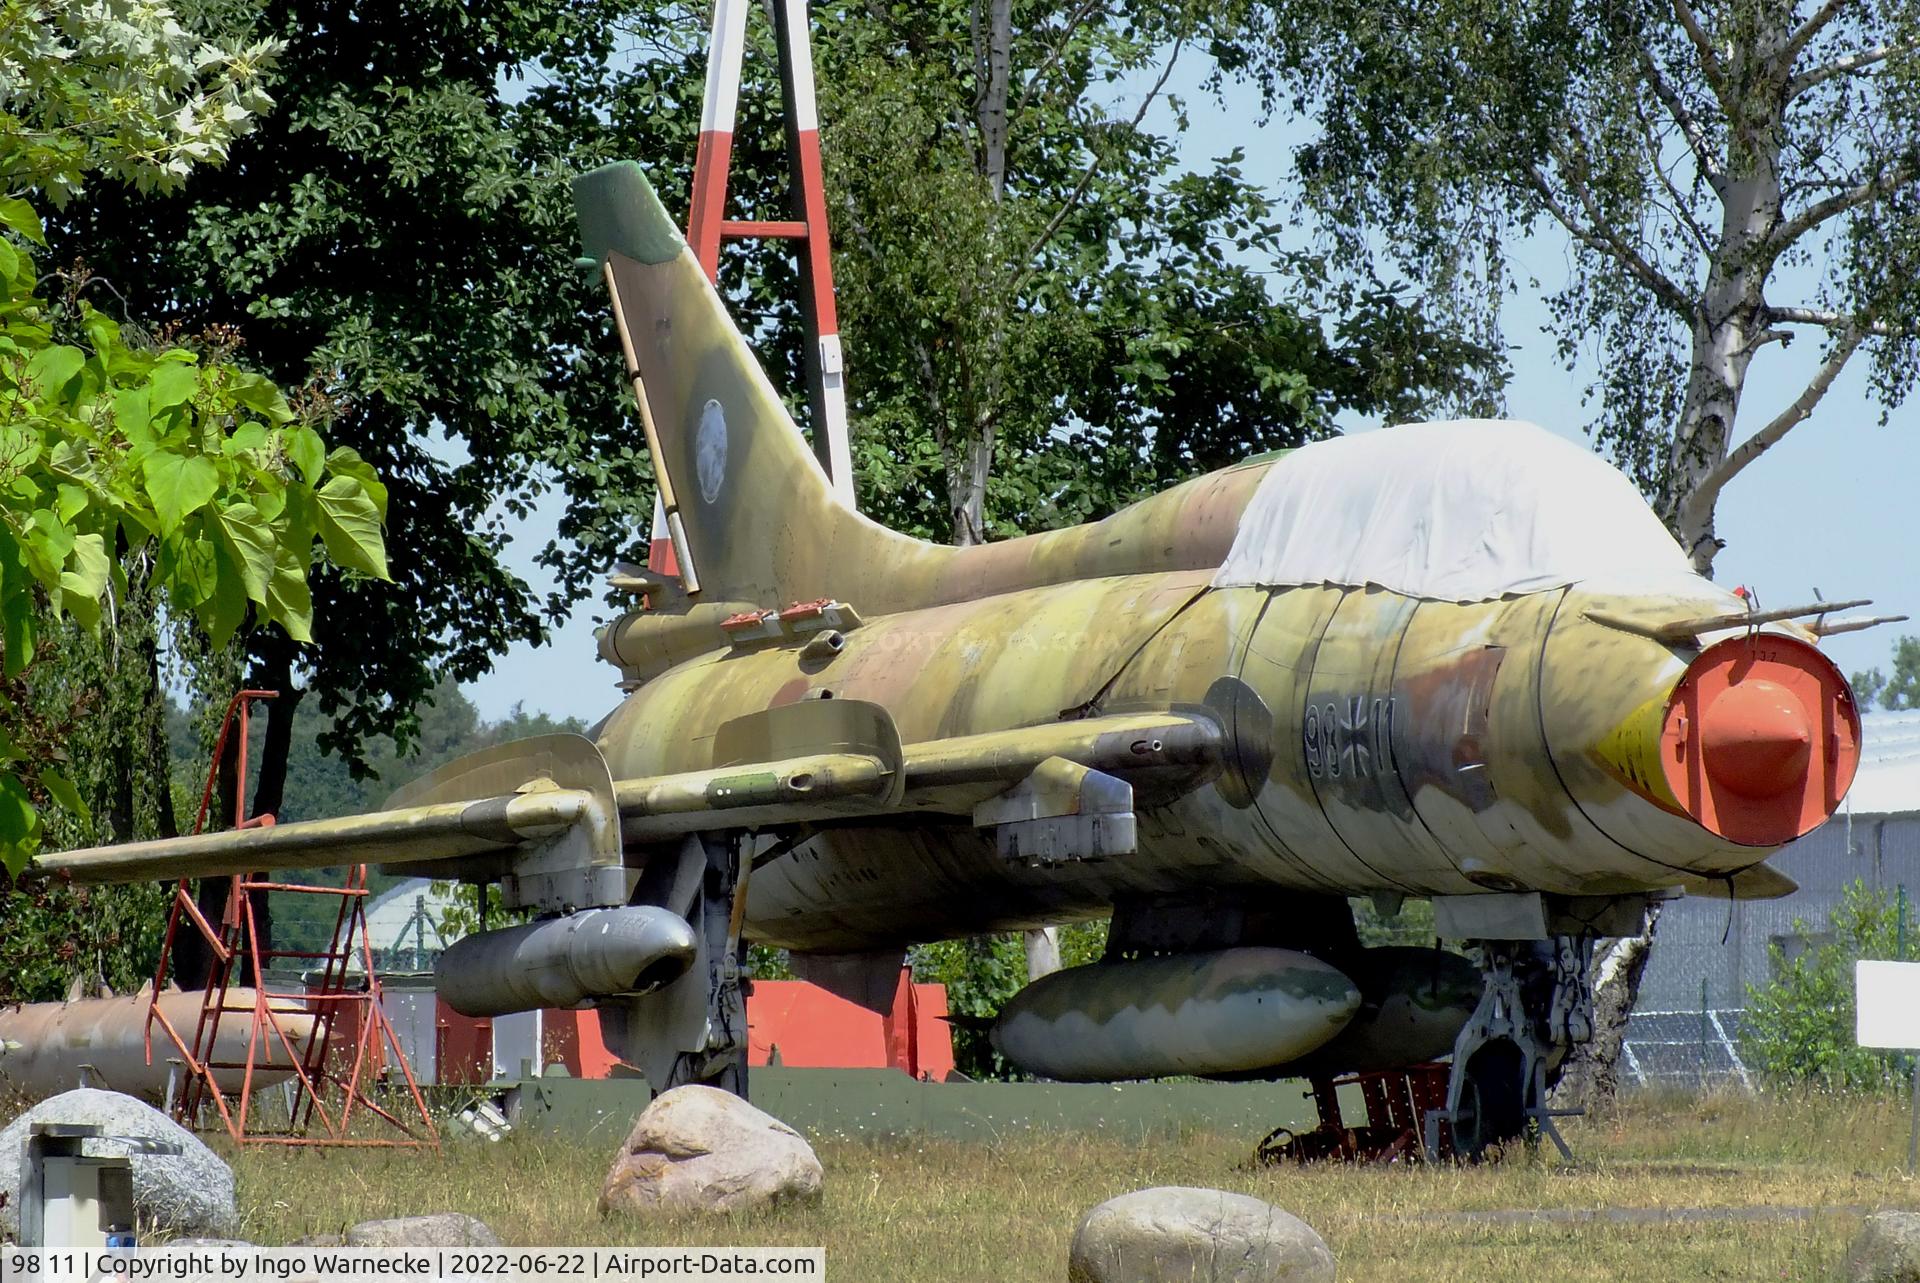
(547, 812)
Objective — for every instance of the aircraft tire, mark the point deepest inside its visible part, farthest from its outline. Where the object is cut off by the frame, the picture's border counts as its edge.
(1493, 1107)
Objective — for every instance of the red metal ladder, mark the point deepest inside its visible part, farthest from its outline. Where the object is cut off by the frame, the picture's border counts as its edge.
(331, 1083)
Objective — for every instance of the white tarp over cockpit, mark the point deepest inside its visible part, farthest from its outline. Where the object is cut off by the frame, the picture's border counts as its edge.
(1467, 510)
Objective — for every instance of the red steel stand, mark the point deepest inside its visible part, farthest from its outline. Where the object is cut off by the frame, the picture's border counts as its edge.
(1397, 1102)
(332, 1082)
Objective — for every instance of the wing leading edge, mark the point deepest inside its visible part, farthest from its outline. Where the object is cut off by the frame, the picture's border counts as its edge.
(545, 812)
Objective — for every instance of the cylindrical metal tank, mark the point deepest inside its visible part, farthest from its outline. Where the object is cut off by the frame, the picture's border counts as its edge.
(1413, 1004)
(563, 962)
(1197, 1013)
(51, 1047)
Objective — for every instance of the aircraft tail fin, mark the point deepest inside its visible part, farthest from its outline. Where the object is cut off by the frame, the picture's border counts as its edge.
(751, 513)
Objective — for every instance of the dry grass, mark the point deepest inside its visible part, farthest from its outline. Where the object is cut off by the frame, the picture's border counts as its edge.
(928, 1210)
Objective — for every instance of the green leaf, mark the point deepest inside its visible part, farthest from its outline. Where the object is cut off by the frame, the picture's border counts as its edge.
(71, 502)
(249, 541)
(47, 544)
(19, 824)
(85, 582)
(248, 436)
(179, 484)
(132, 414)
(54, 367)
(193, 568)
(289, 602)
(20, 447)
(346, 462)
(350, 525)
(226, 610)
(9, 260)
(16, 623)
(61, 790)
(308, 452)
(260, 396)
(173, 384)
(20, 216)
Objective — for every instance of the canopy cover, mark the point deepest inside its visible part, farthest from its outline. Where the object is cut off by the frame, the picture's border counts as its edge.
(1467, 510)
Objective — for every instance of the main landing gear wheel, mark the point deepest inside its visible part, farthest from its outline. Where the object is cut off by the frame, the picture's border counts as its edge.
(1535, 1008)
(1492, 1108)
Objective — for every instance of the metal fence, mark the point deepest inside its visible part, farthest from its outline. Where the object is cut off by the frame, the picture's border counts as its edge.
(1686, 1049)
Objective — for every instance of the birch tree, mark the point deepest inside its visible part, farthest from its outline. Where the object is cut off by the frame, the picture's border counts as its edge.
(1733, 176)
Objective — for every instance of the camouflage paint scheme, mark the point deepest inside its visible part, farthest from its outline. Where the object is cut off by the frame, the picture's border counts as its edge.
(1283, 744)
(1446, 795)
(1188, 1013)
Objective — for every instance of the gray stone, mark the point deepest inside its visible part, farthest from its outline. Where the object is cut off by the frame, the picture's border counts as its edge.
(186, 1193)
(443, 1229)
(1195, 1236)
(1886, 1250)
(700, 1149)
(320, 1240)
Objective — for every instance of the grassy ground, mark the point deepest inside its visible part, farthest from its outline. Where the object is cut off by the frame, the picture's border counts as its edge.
(928, 1210)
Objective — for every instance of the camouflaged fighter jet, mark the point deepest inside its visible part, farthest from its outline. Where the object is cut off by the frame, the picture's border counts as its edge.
(1460, 661)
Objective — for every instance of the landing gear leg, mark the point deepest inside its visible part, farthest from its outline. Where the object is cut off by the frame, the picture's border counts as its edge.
(722, 1062)
(1535, 1008)
(694, 1030)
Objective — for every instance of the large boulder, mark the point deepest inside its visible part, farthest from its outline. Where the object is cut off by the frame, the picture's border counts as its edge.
(189, 1193)
(700, 1149)
(1203, 1235)
(1886, 1250)
(443, 1229)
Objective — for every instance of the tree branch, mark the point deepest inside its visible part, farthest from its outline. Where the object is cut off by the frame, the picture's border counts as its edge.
(1832, 320)
(1079, 192)
(1602, 238)
(1681, 213)
(1709, 60)
(1766, 438)
(1074, 20)
(1696, 136)
(1901, 171)
(1843, 66)
(1797, 43)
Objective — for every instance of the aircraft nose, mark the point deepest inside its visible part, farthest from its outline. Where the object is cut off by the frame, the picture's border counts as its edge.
(1761, 739)
(1756, 738)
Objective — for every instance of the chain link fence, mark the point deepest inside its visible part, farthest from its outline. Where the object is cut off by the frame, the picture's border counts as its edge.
(1685, 1049)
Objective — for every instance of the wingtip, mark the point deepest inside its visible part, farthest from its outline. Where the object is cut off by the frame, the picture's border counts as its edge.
(620, 212)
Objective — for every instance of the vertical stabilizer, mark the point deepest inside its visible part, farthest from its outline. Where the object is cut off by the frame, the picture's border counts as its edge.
(752, 514)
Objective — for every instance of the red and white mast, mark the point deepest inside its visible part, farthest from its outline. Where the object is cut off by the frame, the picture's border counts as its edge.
(708, 227)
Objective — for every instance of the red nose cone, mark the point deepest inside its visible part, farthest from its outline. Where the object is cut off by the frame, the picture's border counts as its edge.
(1756, 739)
(1761, 739)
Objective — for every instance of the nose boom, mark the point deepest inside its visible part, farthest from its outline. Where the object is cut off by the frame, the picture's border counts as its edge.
(1761, 739)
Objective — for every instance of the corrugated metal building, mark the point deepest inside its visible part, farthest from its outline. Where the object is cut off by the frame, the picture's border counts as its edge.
(1707, 952)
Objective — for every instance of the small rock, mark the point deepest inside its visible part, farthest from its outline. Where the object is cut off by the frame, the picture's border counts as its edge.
(186, 1193)
(444, 1229)
(1886, 1250)
(201, 1245)
(1206, 1235)
(700, 1149)
(320, 1240)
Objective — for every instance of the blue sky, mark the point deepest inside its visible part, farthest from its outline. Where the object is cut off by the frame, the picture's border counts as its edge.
(1834, 506)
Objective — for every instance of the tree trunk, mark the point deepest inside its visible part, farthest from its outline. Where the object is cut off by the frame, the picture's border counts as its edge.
(276, 674)
(993, 55)
(1591, 1077)
(967, 489)
(1043, 952)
